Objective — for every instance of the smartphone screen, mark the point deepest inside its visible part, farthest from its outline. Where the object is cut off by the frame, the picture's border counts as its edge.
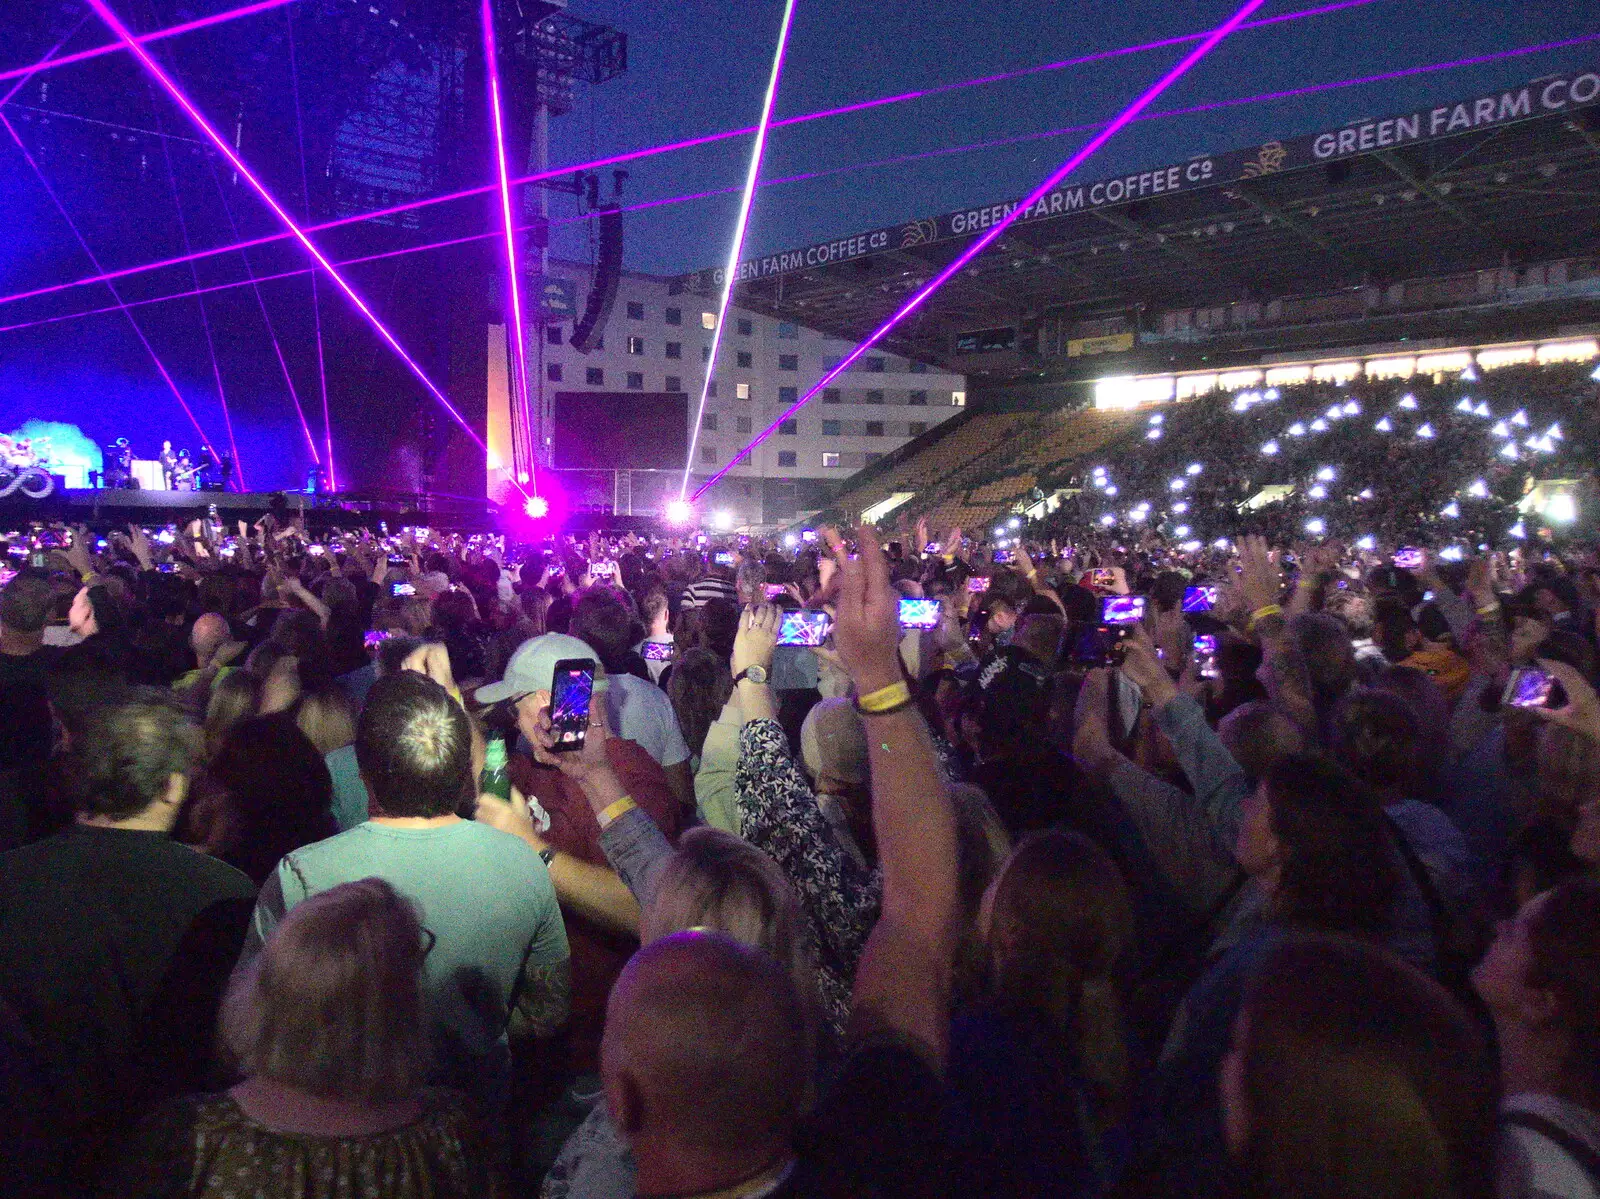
(316, 549)
(722, 558)
(774, 590)
(1529, 688)
(571, 689)
(808, 535)
(1002, 556)
(803, 628)
(656, 651)
(1205, 655)
(919, 613)
(931, 548)
(1122, 609)
(6, 575)
(402, 588)
(375, 637)
(1102, 576)
(1199, 599)
(1407, 558)
(978, 583)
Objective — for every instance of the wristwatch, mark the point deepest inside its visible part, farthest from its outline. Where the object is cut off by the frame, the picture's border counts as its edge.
(756, 674)
(547, 855)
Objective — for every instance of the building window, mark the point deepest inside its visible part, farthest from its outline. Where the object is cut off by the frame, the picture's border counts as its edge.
(788, 330)
(958, 398)
(674, 349)
(552, 335)
(874, 397)
(741, 424)
(552, 371)
(674, 316)
(919, 398)
(708, 320)
(705, 353)
(830, 395)
(788, 458)
(788, 362)
(743, 460)
(832, 363)
(708, 453)
(746, 327)
(674, 383)
(788, 428)
(874, 428)
(871, 457)
(636, 345)
(708, 423)
(595, 376)
(919, 368)
(918, 428)
(829, 458)
(741, 391)
(788, 395)
(746, 360)
(635, 311)
(711, 390)
(872, 364)
(832, 428)
(635, 380)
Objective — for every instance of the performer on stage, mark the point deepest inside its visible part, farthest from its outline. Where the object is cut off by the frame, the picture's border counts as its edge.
(169, 463)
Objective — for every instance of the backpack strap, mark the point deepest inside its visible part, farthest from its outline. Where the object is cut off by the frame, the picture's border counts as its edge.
(1583, 1155)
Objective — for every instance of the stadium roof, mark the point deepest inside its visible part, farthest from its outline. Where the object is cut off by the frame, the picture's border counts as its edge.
(1507, 178)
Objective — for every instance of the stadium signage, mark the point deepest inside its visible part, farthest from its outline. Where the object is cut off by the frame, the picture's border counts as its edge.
(1539, 97)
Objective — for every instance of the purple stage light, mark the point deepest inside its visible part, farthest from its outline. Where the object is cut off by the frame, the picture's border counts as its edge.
(49, 64)
(896, 160)
(519, 355)
(138, 332)
(316, 303)
(183, 102)
(740, 225)
(667, 148)
(1212, 40)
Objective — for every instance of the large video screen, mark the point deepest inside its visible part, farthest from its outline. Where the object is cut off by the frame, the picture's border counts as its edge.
(621, 430)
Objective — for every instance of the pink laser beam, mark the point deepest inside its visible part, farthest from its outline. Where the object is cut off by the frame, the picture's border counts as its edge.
(665, 148)
(316, 306)
(1084, 152)
(183, 102)
(741, 225)
(138, 332)
(249, 10)
(519, 357)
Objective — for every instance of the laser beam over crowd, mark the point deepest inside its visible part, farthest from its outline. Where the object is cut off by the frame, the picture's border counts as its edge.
(740, 225)
(1088, 149)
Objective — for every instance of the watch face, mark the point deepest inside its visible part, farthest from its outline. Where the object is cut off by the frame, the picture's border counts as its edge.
(756, 674)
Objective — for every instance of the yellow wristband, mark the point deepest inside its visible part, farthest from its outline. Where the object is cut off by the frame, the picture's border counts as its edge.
(1488, 609)
(893, 696)
(1262, 613)
(613, 811)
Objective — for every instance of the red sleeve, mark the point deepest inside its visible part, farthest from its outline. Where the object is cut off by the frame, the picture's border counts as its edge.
(646, 784)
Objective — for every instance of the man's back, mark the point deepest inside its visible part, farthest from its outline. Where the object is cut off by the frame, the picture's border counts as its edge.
(114, 948)
(485, 899)
(641, 712)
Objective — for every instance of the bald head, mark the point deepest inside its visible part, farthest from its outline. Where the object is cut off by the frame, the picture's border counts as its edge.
(706, 1053)
(209, 632)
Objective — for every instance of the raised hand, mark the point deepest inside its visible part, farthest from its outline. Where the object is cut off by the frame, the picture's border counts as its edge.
(866, 629)
(758, 634)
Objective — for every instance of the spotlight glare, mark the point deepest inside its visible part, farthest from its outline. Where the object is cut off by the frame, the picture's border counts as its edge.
(1177, 485)
(1351, 408)
(1319, 425)
(1195, 468)
(1561, 509)
(1318, 492)
(1111, 489)
(1366, 542)
(1554, 431)
(1518, 530)
(1297, 430)
(1154, 434)
(1180, 531)
(1520, 419)
(1190, 547)
(1365, 494)
(722, 520)
(1108, 519)
(1501, 429)
(1180, 508)
(537, 507)
(1425, 432)
(1479, 490)
(1270, 448)
(1334, 413)
(1408, 402)
(1509, 450)
(1316, 526)
(1465, 405)
(1325, 475)
(1450, 553)
(790, 541)
(1482, 410)
(1384, 426)
(680, 512)
(1014, 523)
(1221, 543)
(1451, 510)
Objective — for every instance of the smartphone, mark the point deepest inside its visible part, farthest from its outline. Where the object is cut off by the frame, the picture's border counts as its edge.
(1102, 576)
(1002, 556)
(931, 548)
(774, 590)
(1407, 558)
(396, 560)
(6, 575)
(978, 583)
(919, 613)
(402, 588)
(803, 628)
(38, 559)
(808, 535)
(571, 690)
(383, 528)
(376, 637)
(656, 651)
(1205, 655)
(1199, 599)
(1121, 609)
(1531, 688)
(166, 568)
(316, 549)
(722, 558)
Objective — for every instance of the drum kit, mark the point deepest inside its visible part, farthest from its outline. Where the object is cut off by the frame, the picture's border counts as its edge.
(25, 467)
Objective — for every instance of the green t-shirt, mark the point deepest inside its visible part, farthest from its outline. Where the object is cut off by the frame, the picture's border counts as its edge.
(486, 898)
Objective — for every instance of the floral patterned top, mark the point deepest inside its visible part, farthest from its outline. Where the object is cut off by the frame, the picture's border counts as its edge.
(779, 813)
(206, 1147)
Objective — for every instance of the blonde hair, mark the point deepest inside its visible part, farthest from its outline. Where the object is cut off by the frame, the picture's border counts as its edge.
(716, 880)
(325, 717)
(234, 699)
(333, 1004)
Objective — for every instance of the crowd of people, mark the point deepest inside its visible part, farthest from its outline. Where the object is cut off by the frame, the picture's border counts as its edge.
(1288, 886)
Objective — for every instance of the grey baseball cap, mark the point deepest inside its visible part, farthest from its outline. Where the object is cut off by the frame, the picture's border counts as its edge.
(533, 667)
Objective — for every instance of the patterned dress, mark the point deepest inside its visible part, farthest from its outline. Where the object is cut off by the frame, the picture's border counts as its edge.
(779, 813)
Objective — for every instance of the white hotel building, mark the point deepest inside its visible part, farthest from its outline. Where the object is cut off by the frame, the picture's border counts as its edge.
(656, 341)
